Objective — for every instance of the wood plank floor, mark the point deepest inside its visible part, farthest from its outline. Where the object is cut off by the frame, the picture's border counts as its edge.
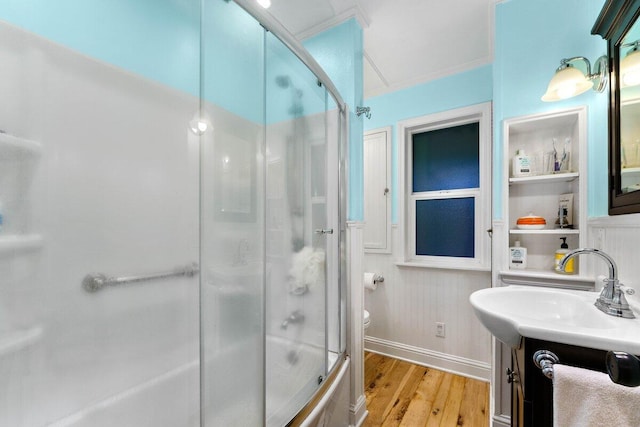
(400, 393)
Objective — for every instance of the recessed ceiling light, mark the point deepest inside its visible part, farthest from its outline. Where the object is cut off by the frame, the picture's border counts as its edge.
(264, 3)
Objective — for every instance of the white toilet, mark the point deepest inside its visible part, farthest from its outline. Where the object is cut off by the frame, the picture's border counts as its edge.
(367, 319)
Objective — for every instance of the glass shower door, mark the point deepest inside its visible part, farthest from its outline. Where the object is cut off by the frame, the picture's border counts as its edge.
(232, 218)
(296, 233)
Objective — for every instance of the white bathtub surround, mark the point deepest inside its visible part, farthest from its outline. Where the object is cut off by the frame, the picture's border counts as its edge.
(290, 377)
(102, 205)
(327, 410)
(150, 403)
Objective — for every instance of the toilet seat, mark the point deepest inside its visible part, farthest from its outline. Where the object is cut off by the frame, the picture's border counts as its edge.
(366, 318)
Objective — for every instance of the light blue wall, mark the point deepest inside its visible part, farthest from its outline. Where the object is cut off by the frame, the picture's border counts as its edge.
(160, 40)
(339, 51)
(234, 59)
(154, 38)
(531, 39)
(460, 90)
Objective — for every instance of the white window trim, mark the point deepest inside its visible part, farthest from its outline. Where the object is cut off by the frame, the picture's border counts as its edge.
(480, 113)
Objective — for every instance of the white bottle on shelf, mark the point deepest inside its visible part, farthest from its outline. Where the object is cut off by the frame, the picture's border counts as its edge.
(517, 256)
(521, 164)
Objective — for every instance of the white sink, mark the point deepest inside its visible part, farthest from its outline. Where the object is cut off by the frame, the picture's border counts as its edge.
(559, 315)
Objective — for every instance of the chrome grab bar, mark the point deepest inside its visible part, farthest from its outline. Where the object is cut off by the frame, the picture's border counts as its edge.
(96, 281)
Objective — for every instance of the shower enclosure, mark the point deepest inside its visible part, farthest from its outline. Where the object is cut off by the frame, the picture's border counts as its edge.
(171, 217)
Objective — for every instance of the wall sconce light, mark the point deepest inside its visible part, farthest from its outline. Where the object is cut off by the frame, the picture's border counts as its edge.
(630, 66)
(569, 81)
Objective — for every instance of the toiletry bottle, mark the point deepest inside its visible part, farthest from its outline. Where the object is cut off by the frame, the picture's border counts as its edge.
(562, 221)
(521, 164)
(560, 253)
(517, 256)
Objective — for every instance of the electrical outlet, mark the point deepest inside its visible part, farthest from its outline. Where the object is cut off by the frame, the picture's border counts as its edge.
(440, 329)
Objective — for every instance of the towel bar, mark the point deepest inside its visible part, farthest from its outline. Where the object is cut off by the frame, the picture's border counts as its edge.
(97, 281)
(544, 359)
(623, 368)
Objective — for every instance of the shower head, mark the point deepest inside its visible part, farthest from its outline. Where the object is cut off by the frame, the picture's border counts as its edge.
(283, 81)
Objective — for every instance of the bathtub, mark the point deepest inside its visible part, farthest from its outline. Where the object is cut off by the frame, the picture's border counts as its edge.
(154, 403)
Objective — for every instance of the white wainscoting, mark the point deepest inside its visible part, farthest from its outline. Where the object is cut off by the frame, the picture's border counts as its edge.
(618, 236)
(405, 308)
(355, 247)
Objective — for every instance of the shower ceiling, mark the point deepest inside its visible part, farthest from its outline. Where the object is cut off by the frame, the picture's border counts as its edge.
(406, 42)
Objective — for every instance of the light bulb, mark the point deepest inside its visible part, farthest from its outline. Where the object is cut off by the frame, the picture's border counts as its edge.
(631, 78)
(566, 90)
(630, 68)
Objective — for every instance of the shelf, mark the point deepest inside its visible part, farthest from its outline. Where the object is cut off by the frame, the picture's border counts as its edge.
(549, 231)
(12, 243)
(12, 145)
(629, 170)
(544, 179)
(13, 341)
(546, 278)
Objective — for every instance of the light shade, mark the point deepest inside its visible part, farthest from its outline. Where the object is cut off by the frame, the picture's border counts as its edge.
(567, 82)
(630, 69)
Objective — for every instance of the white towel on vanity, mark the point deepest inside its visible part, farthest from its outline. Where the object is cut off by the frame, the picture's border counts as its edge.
(585, 398)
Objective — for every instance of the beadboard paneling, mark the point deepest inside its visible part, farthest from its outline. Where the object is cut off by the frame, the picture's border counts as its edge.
(405, 308)
(618, 236)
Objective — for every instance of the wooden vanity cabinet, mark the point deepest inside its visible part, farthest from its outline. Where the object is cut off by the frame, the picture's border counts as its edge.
(532, 392)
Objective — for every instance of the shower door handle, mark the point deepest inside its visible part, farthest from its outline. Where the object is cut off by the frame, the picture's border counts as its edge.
(324, 231)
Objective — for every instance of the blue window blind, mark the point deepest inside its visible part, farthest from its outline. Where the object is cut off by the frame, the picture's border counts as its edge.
(446, 159)
(445, 227)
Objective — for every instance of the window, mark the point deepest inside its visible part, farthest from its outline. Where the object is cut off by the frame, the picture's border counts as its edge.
(445, 188)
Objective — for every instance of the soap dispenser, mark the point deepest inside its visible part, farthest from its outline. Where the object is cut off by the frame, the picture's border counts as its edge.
(560, 253)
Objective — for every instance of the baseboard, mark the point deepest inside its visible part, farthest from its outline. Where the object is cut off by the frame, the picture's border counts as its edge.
(420, 356)
(358, 412)
(501, 421)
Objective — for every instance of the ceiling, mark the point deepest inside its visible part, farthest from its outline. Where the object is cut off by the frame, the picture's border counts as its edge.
(406, 42)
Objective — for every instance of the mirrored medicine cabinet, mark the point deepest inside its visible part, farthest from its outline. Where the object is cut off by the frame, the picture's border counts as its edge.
(618, 24)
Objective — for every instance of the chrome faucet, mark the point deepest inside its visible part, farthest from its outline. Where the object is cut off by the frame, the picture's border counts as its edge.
(611, 300)
(295, 317)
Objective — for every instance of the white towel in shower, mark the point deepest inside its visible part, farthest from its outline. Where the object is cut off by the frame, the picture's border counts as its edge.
(307, 268)
(585, 398)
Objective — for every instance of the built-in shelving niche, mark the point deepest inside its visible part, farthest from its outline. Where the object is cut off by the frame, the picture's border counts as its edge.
(538, 194)
(19, 159)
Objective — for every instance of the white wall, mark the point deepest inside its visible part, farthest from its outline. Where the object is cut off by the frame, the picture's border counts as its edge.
(405, 308)
(115, 190)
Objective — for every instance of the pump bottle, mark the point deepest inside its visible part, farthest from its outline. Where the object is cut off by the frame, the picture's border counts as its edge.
(560, 253)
